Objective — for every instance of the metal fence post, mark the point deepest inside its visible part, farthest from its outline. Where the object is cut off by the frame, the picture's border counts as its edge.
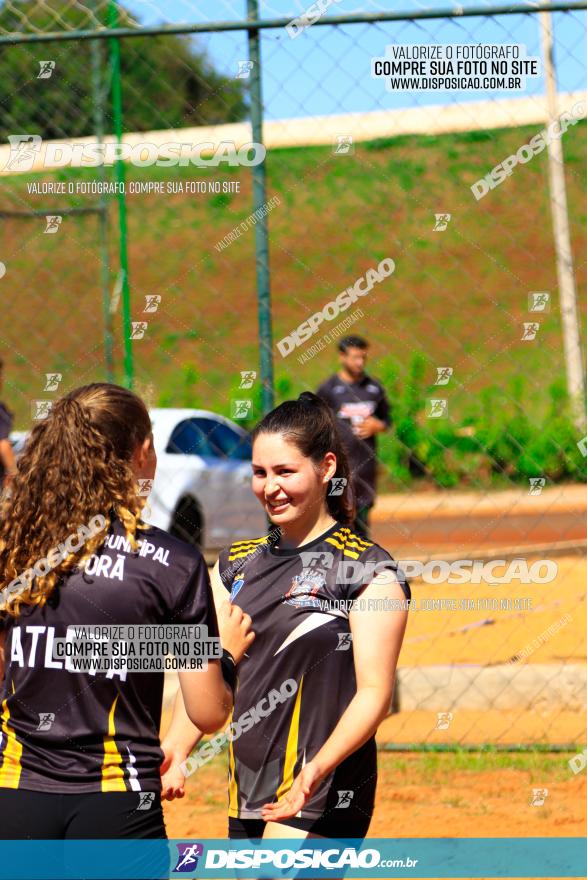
(261, 227)
(562, 240)
(98, 98)
(119, 174)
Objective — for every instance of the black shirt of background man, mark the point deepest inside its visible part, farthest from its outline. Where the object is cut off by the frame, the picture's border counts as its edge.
(352, 403)
(6, 419)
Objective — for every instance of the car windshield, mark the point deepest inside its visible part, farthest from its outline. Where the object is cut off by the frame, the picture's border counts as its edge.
(210, 439)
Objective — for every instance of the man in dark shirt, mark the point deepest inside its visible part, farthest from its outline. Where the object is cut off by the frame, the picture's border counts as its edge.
(7, 460)
(362, 408)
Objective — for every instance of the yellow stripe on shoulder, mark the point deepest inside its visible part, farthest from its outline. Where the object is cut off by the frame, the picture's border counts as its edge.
(240, 549)
(350, 543)
(249, 541)
(355, 540)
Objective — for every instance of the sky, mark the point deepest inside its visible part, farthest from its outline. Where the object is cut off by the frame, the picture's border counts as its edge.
(327, 70)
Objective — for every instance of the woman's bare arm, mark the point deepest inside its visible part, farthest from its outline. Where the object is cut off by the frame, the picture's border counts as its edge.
(183, 734)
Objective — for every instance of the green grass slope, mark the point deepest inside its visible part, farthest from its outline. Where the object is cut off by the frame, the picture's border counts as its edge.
(457, 298)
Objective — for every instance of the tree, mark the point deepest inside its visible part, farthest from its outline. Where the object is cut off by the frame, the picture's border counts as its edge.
(167, 81)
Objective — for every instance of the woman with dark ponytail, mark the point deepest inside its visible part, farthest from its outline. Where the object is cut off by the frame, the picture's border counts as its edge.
(80, 750)
(329, 611)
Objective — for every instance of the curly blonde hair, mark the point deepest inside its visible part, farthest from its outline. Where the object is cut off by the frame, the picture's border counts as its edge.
(76, 466)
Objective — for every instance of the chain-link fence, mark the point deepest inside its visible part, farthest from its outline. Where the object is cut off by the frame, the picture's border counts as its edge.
(208, 277)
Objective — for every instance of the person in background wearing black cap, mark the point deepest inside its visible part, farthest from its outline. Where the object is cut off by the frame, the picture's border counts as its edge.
(362, 409)
(7, 459)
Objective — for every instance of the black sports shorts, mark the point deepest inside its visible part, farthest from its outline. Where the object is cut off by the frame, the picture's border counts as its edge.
(40, 815)
(112, 815)
(326, 826)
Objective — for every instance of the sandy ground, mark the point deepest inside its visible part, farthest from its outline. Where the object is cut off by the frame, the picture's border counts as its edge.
(429, 796)
(484, 636)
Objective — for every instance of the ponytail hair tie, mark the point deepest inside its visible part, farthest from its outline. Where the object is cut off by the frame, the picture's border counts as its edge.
(308, 398)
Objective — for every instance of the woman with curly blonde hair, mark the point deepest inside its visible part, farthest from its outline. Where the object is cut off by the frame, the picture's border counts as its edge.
(79, 750)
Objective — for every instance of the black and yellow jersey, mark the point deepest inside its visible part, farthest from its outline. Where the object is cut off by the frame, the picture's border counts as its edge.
(298, 677)
(69, 731)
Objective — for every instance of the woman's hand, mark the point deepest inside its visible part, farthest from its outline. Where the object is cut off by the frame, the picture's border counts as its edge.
(302, 788)
(235, 629)
(172, 777)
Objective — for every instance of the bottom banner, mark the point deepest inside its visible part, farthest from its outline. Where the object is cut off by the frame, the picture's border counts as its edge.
(540, 857)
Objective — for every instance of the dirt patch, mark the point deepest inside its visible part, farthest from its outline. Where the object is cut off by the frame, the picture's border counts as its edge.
(429, 796)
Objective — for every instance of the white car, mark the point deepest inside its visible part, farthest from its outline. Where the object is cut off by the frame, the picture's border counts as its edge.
(202, 488)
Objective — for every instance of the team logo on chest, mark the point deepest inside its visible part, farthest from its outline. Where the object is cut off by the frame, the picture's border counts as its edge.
(237, 585)
(304, 587)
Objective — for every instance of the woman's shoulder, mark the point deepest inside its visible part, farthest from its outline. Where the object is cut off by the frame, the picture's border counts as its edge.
(246, 548)
(351, 545)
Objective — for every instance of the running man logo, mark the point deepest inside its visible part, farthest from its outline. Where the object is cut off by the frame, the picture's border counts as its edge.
(188, 855)
(578, 762)
(443, 375)
(52, 381)
(138, 329)
(539, 301)
(441, 222)
(46, 69)
(46, 720)
(144, 487)
(244, 69)
(337, 485)
(530, 330)
(437, 408)
(247, 378)
(24, 149)
(345, 641)
(146, 800)
(152, 302)
(443, 720)
(536, 485)
(41, 409)
(343, 145)
(582, 445)
(53, 224)
(539, 795)
(240, 409)
(344, 799)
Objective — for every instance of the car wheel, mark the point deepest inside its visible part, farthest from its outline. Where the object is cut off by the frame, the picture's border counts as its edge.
(187, 522)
